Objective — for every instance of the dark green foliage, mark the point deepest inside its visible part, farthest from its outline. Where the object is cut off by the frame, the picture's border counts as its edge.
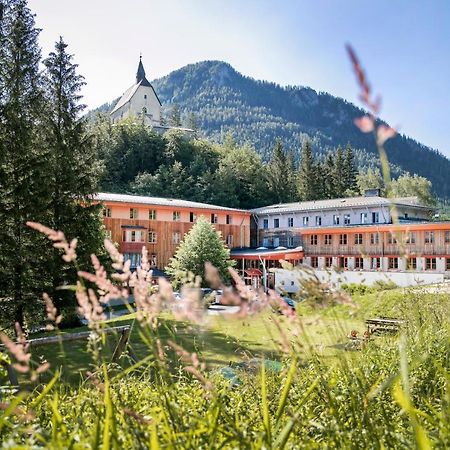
(24, 193)
(339, 173)
(48, 168)
(175, 116)
(281, 175)
(307, 182)
(203, 244)
(73, 166)
(349, 171)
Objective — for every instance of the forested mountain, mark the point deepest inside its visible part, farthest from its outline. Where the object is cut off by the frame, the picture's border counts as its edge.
(258, 112)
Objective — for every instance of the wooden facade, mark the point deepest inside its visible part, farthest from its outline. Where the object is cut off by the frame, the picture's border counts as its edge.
(160, 228)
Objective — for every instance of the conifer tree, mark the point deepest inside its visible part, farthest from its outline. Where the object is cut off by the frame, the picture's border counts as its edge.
(339, 173)
(73, 165)
(306, 182)
(319, 176)
(192, 122)
(277, 174)
(200, 245)
(291, 171)
(24, 194)
(175, 116)
(329, 176)
(349, 171)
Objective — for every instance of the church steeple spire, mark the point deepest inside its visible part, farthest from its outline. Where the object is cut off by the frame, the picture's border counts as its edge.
(140, 75)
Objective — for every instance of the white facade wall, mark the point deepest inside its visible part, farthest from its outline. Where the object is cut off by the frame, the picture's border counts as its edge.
(144, 97)
(327, 217)
(289, 280)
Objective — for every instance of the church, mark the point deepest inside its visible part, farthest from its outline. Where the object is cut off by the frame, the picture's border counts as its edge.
(139, 100)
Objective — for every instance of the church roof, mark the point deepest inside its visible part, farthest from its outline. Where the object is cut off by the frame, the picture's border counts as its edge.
(141, 80)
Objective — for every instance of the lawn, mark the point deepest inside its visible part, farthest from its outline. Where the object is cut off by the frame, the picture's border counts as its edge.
(223, 339)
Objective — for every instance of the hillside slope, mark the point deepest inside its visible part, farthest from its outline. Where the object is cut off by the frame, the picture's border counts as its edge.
(258, 112)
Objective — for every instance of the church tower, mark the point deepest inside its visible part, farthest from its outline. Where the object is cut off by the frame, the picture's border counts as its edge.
(140, 100)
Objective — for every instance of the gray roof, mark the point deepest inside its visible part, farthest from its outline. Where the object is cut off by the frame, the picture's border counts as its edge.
(159, 201)
(337, 203)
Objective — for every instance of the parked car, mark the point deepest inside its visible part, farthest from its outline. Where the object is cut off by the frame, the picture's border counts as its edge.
(289, 302)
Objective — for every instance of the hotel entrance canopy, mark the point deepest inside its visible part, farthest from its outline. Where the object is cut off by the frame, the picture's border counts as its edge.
(261, 253)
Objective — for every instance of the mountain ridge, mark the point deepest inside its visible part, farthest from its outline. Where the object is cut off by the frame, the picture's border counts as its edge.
(258, 112)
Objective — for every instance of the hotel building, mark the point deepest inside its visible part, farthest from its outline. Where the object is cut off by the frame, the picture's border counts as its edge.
(358, 233)
(160, 224)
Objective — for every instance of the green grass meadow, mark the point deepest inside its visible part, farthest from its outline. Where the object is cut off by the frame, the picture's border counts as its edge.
(394, 392)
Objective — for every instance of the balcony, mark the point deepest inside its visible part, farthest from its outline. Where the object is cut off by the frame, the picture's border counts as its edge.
(132, 247)
(377, 250)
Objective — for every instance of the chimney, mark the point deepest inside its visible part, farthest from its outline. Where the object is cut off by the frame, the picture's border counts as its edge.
(372, 192)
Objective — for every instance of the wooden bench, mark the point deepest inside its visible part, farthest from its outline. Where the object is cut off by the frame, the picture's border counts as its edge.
(124, 332)
(384, 325)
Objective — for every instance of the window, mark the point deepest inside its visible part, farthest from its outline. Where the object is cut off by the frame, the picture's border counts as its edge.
(134, 258)
(346, 219)
(391, 238)
(229, 220)
(230, 240)
(393, 263)
(430, 263)
(344, 262)
(106, 211)
(290, 241)
(193, 217)
(266, 224)
(290, 222)
(153, 260)
(375, 263)
(266, 242)
(214, 218)
(133, 213)
(276, 241)
(108, 234)
(447, 237)
(313, 239)
(314, 261)
(176, 237)
(447, 264)
(335, 220)
(305, 221)
(318, 221)
(429, 237)
(358, 238)
(328, 261)
(364, 217)
(328, 239)
(276, 223)
(343, 239)
(133, 236)
(145, 96)
(152, 237)
(410, 238)
(176, 215)
(152, 214)
(374, 238)
(412, 263)
(359, 262)
(375, 217)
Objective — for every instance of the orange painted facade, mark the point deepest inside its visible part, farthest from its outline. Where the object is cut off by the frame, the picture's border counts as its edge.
(160, 228)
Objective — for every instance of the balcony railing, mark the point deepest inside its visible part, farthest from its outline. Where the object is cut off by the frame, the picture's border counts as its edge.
(377, 250)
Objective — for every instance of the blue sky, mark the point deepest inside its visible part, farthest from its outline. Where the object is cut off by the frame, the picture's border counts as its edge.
(404, 47)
